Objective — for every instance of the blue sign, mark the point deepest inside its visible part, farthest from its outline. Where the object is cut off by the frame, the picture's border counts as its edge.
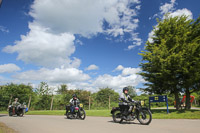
(158, 99)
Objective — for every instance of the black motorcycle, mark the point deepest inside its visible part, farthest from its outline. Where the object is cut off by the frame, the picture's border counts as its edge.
(18, 110)
(78, 112)
(142, 114)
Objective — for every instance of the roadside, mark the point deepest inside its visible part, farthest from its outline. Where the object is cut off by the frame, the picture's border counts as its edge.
(5, 129)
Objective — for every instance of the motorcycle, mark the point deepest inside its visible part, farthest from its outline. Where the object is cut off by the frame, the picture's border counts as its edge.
(78, 113)
(18, 110)
(142, 114)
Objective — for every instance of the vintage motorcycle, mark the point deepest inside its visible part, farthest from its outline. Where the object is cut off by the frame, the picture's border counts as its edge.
(78, 113)
(18, 110)
(142, 114)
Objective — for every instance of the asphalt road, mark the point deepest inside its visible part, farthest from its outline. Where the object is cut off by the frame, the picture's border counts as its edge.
(59, 124)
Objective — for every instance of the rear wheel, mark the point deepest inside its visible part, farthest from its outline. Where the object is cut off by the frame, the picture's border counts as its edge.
(117, 116)
(82, 114)
(144, 117)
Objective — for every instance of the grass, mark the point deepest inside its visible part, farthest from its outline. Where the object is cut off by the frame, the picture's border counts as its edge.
(5, 129)
(156, 113)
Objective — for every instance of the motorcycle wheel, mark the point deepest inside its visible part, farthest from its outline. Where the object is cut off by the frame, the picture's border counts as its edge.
(145, 117)
(82, 114)
(117, 116)
(10, 114)
(69, 115)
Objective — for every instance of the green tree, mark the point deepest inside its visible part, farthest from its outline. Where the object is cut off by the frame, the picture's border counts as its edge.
(132, 91)
(103, 95)
(63, 89)
(20, 91)
(172, 58)
(44, 94)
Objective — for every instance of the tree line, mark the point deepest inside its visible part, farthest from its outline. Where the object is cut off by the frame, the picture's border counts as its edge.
(43, 98)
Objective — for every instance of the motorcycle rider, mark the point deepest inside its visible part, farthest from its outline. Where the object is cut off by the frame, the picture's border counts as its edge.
(73, 102)
(125, 102)
(15, 104)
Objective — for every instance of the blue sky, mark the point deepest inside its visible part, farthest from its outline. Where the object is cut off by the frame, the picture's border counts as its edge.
(85, 44)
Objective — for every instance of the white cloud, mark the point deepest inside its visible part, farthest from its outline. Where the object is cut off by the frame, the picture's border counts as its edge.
(43, 48)
(57, 75)
(9, 68)
(168, 7)
(130, 71)
(181, 12)
(119, 68)
(92, 67)
(87, 17)
(117, 82)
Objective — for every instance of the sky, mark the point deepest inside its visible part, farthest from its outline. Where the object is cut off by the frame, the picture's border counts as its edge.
(86, 44)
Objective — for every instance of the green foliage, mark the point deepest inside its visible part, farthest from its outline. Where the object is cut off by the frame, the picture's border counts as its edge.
(101, 98)
(132, 91)
(11, 91)
(171, 62)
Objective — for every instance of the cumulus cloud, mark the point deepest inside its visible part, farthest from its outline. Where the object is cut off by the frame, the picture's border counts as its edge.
(92, 67)
(128, 77)
(44, 48)
(87, 17)
(168, 7)
(9, 68)
(119, 68)
(57, 75)
(181, 12)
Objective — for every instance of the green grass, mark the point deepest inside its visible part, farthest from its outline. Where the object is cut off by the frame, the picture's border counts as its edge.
(174, 114)
(156, 113)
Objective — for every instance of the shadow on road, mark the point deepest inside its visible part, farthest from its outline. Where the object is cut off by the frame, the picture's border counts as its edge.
(3, 115)
(125, 122)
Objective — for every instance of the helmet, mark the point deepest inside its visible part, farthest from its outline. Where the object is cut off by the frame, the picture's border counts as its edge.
(74, 95)
(125, 89)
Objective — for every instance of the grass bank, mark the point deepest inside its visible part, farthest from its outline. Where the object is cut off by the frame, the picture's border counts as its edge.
(156, 113)
(5, 129)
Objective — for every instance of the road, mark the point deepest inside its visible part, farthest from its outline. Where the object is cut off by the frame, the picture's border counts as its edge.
(59, 124)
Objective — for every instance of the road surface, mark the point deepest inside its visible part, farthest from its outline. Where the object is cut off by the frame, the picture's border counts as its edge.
(59, 124)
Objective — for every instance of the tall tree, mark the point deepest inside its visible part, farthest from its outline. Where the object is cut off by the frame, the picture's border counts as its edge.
(132, 91)
(172, 58)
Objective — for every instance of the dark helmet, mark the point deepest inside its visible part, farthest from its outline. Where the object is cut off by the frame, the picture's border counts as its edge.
(125, 89)
(74, 95)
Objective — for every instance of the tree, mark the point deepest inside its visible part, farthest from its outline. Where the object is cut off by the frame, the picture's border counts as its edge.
(10, 91)
(62, 89)
(132, 91)
(103, 95)
(172, 58)
(44, 96)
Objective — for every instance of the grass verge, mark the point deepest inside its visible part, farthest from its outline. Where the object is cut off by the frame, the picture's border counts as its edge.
(5, 129)
(156, 113)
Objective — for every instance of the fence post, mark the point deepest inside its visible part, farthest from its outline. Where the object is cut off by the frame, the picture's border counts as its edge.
(29, 102)
(51, 103)
(89, 102)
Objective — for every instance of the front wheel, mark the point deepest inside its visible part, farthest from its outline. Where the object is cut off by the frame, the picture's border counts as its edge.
(117, 116)
(145, 117)
(82, 114)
